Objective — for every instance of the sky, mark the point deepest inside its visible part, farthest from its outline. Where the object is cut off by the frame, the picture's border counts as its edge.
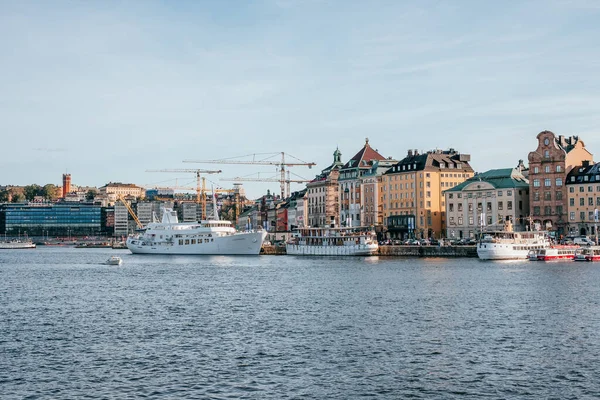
(106, 90)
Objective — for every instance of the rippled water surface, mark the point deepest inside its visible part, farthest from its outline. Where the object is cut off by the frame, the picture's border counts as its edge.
(279, 327)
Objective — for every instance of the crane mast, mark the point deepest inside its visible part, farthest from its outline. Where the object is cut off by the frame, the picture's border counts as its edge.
(284, 184)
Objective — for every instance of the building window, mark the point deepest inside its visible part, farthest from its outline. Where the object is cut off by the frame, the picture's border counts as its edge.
(558, 195)
(536, 196)
(559, 210)
(547, 182)
(471, 220)
(547, 196)
(571, 189)
(500, 192)
(470, 207)
(590, 201)
(536, 210)
(558, 168)
(460, 220)
(450, 196)
(500, 205)
(582, 215)
(547, 169)
(572, 215)
(598, 201)
(460, 207)
(509, 205)
(451, 207)
(536, 170)
(546, 153)
(572, 201)
(558, 182)
(547, 210)
(536, 183)
(582, 201)
(590, 189)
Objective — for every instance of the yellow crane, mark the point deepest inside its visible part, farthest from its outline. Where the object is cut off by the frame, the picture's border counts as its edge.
(131, 212)
(200, 190)
(264, 159)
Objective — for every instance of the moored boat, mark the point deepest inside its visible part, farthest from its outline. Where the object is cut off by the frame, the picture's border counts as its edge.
(355, 241)
(510, 245)
(591, 253)
(17, 244)
(209, 237)
(557, 253)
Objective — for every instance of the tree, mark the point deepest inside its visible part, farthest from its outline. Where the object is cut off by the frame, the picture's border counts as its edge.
(51, 192)
(91, 194)
(3, 196)
(32, 190)
(17, 197)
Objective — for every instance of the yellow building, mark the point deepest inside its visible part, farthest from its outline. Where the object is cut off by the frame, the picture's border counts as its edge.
(411, 192)
(112, 190)
(583, 193)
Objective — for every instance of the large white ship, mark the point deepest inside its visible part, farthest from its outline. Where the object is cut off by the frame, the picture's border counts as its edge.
(354, 241)
(509, 245)
(210, 237)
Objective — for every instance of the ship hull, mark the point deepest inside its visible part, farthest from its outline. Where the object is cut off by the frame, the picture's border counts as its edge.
(247, 243)
(17, 245)
(354, 250)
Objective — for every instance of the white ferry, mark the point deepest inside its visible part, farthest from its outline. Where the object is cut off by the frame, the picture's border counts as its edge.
(510, 245)
(210, 237)
(591, 253)
(355, 241)
(17, 244)
(555, 253)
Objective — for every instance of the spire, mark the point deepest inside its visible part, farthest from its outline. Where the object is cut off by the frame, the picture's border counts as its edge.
(337, 156)
(366, 141)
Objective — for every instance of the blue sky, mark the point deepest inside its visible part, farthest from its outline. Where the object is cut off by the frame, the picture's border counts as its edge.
(105, 90)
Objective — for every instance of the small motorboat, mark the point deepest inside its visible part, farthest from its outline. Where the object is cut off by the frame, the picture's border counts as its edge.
(114, 260)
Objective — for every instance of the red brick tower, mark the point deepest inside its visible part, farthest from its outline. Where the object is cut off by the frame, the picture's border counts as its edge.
(66, 188)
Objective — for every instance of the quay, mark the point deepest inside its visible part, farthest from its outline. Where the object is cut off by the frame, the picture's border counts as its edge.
(401, 251)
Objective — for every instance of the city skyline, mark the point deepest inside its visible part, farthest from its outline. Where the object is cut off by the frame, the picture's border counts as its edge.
(106, 91)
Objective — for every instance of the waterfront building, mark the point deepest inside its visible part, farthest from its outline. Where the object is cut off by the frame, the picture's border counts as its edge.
(487, 201)
(583, 194)
(121, 220)
(549, 165)
(296, 216)
(113, 189)
(46, 219)
(371, 207)
(350, 183)
(412, 190)
(144, 212)
(322, 195)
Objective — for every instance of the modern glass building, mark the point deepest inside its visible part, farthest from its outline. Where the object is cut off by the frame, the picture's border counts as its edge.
(52, 219)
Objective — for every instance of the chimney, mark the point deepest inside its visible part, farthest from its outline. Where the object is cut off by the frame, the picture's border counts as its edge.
(410, 152)
(586, 163)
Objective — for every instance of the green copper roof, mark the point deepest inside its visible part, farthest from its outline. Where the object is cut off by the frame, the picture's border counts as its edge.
(505, 178)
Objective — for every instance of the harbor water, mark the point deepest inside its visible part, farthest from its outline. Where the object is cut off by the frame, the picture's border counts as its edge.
(284, 327)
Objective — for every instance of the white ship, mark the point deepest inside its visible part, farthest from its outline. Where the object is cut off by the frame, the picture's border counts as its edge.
(17, 244)
(509, 245)
(354, 241)
(210, 237)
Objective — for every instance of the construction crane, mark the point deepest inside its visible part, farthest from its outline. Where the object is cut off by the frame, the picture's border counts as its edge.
(131, 212)
(281, 165)
(200, 190)
(287, 180)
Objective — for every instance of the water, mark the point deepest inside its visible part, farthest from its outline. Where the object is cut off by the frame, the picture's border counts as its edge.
(277, 327)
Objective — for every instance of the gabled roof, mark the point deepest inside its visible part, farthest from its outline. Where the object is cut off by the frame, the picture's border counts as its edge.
(579, 173)
(363, 157)
(505, 178)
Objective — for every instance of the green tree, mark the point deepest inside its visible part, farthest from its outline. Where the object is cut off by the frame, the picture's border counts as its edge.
(91, 194)
(3, 196)
(51, 192)
(17, 197)
(32, 190)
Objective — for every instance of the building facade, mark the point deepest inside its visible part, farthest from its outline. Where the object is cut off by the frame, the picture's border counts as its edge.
(371, 208)
(350, 183)
(113, 190)
(414, 187)
(51, 219)
(549, 165)
(485, 202)
(322, 195)
(583, 193)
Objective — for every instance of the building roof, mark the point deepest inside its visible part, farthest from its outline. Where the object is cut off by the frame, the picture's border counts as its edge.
(586, 173)
(435, 159)
(363, 159)
(505, 178)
